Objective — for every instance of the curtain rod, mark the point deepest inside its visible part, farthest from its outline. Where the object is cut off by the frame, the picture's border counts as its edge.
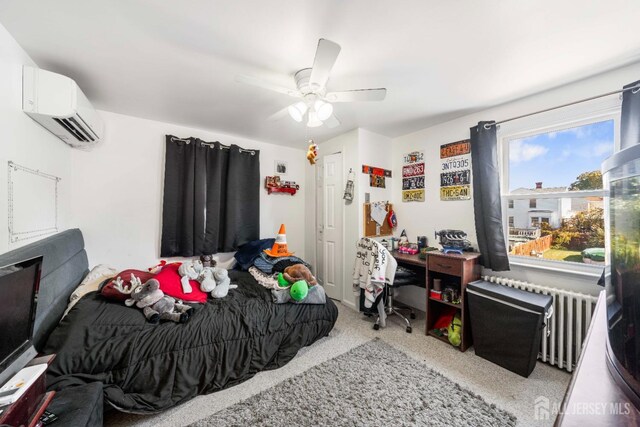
(212, 145)
(635, 89)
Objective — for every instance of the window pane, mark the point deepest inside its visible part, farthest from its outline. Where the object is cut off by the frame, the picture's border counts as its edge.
(559, 229)
(562, 160)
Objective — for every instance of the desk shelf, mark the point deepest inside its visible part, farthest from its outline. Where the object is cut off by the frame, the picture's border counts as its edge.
(450, 304)
(454, 269)
(440, 337)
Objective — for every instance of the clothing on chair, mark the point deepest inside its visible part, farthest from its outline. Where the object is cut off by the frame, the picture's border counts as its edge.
(373, 270)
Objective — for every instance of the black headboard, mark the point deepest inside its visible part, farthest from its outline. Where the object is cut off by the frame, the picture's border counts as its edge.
(64, 266)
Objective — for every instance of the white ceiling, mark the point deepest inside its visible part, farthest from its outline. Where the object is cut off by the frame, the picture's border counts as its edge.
(175, 61)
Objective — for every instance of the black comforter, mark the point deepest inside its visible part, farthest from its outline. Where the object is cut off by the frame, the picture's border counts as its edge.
(148, 368)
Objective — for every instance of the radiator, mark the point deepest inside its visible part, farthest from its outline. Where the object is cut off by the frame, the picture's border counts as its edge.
(564, 333)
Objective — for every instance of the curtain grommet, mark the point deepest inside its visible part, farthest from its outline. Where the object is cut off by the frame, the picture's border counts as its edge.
(636, 90)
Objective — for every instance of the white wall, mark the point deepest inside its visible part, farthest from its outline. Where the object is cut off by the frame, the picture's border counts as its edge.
(117, 190)
(24, 141)
(433, 214)
(375, 150)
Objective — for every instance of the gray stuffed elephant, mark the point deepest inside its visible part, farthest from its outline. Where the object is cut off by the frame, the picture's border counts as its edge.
(156, 305)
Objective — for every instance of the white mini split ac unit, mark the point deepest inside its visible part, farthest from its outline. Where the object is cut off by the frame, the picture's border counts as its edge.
(58, 104)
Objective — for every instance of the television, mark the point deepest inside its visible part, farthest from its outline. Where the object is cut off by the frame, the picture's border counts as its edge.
(621, 176)
(19, 284)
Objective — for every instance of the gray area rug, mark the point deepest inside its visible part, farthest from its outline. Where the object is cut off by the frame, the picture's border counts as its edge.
(371, 385)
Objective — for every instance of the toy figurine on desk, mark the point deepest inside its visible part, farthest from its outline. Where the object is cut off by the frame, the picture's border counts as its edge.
(453, 241)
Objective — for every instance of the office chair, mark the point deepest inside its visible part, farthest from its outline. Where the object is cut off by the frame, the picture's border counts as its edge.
(391, 308)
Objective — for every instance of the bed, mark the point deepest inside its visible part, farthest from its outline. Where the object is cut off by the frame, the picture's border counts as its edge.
(146, 368)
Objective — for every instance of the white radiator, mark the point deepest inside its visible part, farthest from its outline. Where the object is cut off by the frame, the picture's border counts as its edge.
(564, 333)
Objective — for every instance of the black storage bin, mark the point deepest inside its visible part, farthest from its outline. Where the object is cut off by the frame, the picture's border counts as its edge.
(507, 324)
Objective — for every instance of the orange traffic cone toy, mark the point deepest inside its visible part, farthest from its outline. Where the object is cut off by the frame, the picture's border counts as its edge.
(280, 246)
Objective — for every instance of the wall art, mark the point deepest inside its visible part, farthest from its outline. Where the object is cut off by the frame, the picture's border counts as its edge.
(413, 179)
(455, 171)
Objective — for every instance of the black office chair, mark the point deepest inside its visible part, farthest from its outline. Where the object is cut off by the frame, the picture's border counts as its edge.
(404, 277)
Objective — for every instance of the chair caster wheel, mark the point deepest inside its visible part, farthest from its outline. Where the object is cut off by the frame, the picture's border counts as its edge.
(412, 315)
(408, 329)
(376, 326)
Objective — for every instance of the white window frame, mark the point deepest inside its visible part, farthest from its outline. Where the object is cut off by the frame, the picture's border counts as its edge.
(578, 115)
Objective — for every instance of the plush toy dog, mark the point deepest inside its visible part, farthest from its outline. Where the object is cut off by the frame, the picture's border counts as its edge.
(155, 304)
(190, 270)
(223, 283)
(297, 272)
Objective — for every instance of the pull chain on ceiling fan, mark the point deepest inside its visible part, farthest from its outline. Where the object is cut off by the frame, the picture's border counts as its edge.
(315, 105)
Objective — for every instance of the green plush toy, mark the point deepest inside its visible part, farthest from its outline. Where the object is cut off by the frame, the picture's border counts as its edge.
(282, 282)
(299, 290)
(454, 330)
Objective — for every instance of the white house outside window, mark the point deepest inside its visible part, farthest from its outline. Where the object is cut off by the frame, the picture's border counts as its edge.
(552, 189)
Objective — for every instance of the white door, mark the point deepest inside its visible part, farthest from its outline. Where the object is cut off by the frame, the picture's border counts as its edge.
(329, 224)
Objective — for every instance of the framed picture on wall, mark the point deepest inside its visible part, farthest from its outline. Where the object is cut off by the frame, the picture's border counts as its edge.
(281, 168)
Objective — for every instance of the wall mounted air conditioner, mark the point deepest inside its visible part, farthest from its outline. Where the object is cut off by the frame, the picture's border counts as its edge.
(58, 104)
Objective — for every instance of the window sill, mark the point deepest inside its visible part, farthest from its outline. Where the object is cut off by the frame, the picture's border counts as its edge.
(565, 267)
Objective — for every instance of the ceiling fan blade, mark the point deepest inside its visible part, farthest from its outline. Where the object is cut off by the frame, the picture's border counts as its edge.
(332, 122)
(326, 56)
(279, 115)
(357, 95)
(254, 81)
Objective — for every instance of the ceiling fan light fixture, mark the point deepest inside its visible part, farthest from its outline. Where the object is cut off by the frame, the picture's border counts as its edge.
(297, 111)
(323, 109)
(313, 121)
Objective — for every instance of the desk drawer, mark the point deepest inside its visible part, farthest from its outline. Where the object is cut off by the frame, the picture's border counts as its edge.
(445, 265)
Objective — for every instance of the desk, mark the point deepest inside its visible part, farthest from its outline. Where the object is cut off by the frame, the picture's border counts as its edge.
(415, 264)
(409, 259)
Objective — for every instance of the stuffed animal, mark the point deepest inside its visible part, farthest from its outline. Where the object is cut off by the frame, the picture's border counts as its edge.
(156, 268)
(208, 261)
(297, 272)
(155, 304)
(190, 270)
(207, 281)
(454, 330)
(298, 278)
(223, 283)
(312, 152)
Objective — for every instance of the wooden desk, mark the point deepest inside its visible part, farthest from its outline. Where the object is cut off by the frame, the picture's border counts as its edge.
(409, 259)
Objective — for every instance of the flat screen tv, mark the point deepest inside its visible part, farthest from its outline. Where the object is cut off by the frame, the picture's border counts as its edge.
(19, 294)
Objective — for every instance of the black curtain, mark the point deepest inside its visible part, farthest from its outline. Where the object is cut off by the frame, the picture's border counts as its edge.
(629, 122)
(486, 197)
(233, 197)
(211, 197)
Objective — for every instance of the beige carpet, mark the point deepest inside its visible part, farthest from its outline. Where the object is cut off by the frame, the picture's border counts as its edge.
(495, 384)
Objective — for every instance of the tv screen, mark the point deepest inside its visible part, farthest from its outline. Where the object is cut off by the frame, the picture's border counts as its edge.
(18, 295)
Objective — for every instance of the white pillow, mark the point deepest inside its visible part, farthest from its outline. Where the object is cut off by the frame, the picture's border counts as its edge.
(90, 283)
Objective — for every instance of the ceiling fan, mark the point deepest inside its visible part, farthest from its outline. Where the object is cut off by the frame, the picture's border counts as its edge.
(315, 105)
